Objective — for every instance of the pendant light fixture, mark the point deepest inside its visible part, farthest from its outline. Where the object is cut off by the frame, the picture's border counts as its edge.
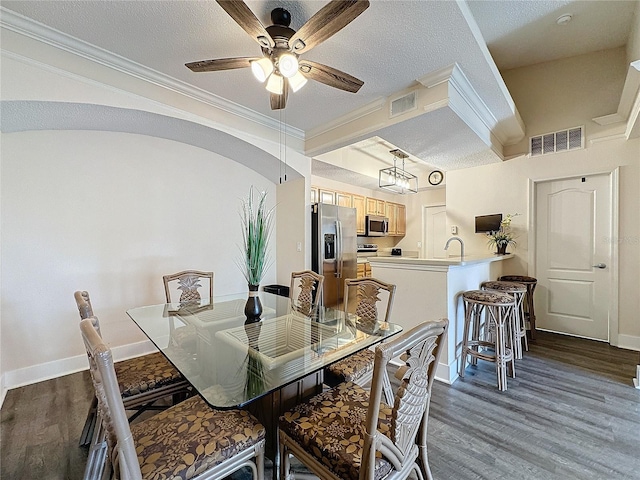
(396, 179)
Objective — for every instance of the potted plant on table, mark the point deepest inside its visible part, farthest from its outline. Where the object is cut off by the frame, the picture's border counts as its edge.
(257, 222)
(504, 236)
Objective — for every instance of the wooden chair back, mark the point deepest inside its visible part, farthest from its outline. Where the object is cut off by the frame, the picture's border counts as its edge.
(83, 302)
(369, 299)
(420, 349)
(188, 286)
(114, 418)
(305, 291)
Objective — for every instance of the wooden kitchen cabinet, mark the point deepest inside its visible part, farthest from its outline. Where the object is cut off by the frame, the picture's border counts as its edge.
(401, 220)
(343, 199)
(376, 207)
(397, 215)
(326, 196)
(358, 202)
(364, 270)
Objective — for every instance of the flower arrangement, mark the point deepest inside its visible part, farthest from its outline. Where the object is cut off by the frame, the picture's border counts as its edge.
(257, 223)
(503, 237)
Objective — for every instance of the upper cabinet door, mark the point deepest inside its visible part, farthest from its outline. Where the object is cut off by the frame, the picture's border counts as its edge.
(327, 196)
(359, 204)
(343, 199)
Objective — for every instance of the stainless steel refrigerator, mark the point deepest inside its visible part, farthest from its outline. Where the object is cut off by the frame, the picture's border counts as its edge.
(333, 249)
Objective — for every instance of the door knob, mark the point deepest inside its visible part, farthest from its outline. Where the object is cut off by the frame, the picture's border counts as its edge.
(600, 265)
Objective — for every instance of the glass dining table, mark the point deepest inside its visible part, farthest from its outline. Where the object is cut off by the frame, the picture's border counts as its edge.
(267, 366)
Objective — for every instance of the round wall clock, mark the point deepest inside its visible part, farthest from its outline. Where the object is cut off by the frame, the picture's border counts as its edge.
(436, 177)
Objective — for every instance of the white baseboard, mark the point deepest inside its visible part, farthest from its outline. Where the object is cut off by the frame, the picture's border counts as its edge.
(630, 342)
(444, 373)
(58, 368)
(447, 373)
(636, 381)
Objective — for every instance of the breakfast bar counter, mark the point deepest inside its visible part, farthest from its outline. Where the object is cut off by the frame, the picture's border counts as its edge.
(432, 288)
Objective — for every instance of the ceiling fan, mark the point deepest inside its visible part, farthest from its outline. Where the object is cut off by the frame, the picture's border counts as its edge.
(280, 65)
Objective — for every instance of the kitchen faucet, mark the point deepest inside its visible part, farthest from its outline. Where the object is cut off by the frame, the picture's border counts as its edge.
(446, 247)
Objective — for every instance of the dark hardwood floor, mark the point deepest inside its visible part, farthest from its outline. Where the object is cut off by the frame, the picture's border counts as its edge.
(570, 413)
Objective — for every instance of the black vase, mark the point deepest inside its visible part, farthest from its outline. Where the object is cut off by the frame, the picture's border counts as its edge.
(253, 307)
(502, 249)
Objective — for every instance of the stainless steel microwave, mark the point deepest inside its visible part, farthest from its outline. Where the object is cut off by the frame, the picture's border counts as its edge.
(376, 226)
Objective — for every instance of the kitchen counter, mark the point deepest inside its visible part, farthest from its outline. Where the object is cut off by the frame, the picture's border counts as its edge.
(431, 288)
(440, 262)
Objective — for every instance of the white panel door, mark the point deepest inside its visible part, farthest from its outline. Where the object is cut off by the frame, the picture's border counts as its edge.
(435, 232)
(573, 256)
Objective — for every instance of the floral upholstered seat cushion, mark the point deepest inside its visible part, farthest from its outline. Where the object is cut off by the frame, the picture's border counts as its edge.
(492, 297)
(144, 373)
(505, 286)
(519, 279)
(187, 439)
(350, 369)
(331, 426)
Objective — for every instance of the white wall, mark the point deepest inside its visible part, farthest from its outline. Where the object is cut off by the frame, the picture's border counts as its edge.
(293, 228)
(567, 93)
(109, 213)
(553, 96)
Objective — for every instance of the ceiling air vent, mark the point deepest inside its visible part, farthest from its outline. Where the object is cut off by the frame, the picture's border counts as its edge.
(570, 139)
(403, 104)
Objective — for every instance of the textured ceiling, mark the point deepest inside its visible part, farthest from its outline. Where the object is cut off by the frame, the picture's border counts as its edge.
(389, 46)
(520, 33)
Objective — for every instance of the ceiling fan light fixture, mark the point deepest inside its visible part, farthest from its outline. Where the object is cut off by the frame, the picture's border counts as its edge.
(297, 81)
(287, 65)
(262, 68)
(275, 84)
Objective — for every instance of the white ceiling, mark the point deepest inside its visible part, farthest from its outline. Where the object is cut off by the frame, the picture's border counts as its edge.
(389, 47)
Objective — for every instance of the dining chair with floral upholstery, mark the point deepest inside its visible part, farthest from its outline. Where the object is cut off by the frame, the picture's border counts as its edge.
(189, 440)
(349, 433)
(305, 292)
(367, 298)
(142, 380)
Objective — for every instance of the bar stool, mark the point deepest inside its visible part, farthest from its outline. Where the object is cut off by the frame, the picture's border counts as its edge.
(518, 327)
(531, 283)
(497, 306)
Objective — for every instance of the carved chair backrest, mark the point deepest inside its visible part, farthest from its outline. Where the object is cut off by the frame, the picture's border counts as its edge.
(367, 298)
(305, 292)
(193, 285)
(111, 409)
(83, 302)
(420, 349)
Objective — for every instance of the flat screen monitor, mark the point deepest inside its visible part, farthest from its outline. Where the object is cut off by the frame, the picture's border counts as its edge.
(488, 223)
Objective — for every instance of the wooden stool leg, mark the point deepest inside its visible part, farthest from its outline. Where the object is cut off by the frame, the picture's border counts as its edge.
(532, 315)
(465, 338)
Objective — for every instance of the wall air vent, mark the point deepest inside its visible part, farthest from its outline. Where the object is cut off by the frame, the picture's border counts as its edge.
(403, 104)
(571, 139)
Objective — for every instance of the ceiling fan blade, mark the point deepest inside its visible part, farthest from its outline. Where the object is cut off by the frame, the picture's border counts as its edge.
(278, 102)
(244, 17)
(329, 20)
(330, 76)
(220, 64)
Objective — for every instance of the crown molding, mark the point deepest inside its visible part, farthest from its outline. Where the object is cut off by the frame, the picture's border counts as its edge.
(506, 133)
(352, 116)
(35, 30)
